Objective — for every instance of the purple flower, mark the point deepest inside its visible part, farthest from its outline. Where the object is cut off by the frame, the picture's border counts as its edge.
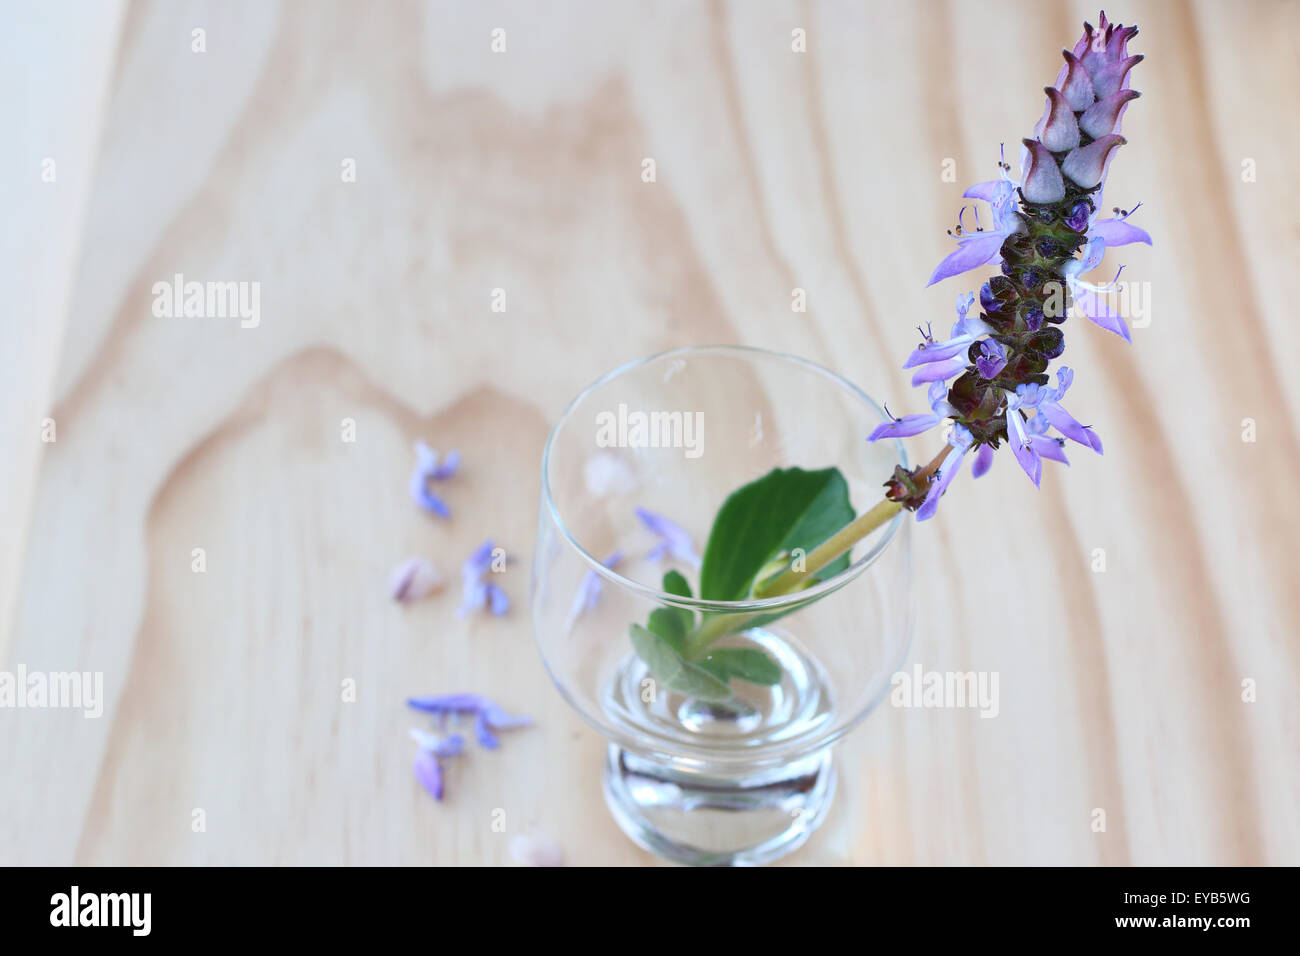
(479, 593)
(428, 761)
(960, 439)
(488, 716)
(1087, 297)
(1049, 405)
(981, 247)
(915, 424)
(428, 468)
(992, 358)
(1046, 233)
(937, 360)
(1044, 445)
(589, 590)
(673, 539)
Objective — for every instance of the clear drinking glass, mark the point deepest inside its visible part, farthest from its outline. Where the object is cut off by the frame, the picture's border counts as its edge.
(747, 780)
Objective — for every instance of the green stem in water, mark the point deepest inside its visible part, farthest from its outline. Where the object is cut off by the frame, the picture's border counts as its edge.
(790, 580)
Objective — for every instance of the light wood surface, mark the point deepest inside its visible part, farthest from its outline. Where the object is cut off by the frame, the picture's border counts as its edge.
(1119, 689)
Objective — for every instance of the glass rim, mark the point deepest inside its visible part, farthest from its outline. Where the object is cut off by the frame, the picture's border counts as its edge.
(660, 596)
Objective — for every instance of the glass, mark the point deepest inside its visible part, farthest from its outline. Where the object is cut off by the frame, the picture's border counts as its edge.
(745, 780)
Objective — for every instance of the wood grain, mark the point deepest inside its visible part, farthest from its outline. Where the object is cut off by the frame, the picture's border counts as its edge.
(521, 171)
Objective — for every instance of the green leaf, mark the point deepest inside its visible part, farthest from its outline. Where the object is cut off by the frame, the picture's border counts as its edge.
(785, 509)
(673, 623)
(672, 670)
(747, 663)
(669, 624)
(676, 583)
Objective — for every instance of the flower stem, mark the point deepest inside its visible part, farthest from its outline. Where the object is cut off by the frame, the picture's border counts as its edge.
(790, 580)
(830, 549)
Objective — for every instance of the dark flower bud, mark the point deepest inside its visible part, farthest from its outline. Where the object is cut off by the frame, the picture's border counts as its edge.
(1049, 343)
(1032, 278)
(1078, 218)
(1002, 290)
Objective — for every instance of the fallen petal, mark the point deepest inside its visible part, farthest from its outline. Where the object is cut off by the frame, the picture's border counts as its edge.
(606, 475)
(429, 773)
(448, 466)
(483, 732)
(449, 703)
(500, 603)
(536, 849)
(413, 579)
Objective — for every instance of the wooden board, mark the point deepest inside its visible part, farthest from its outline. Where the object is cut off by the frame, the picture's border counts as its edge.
(1120, 689)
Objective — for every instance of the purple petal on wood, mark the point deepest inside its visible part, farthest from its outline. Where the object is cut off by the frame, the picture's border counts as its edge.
(429, 773)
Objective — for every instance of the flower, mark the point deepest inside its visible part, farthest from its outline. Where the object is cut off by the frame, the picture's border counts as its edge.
(673, 539)
(960, 439)
(910, 425)
(1046, 236)
(428, 468)
(488, 716)
(936, 359)
(413, 579)
(981, 248)
(992, 359)
(428, 765)
(479, 593)
(590, 588)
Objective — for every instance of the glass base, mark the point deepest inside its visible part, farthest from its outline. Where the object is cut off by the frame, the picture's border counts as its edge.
(717, 820)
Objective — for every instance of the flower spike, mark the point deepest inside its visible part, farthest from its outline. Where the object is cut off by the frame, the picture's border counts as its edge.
(1047, 237)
